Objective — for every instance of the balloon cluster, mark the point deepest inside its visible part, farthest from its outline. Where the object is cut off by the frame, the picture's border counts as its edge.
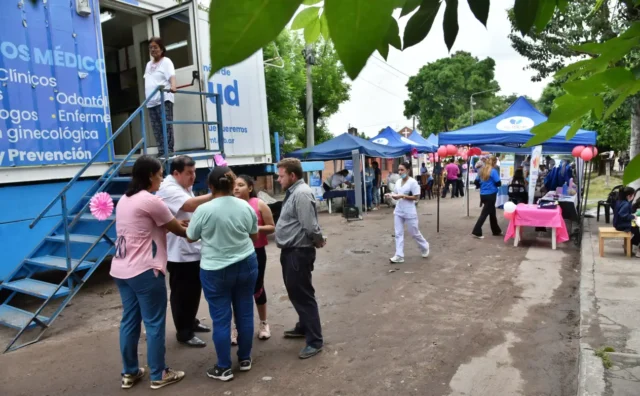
(452, 151)
(586, 153)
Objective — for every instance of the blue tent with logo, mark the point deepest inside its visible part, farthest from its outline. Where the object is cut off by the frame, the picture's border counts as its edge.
(431, 142)
(392, 139)
(512, 129)
(341, 147)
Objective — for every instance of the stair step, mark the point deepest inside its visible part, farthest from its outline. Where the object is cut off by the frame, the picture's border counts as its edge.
(77, 238)
(89, 217)
(36, 288)
(17, 318)
(115, 197)
(56, 262)
(121, 179)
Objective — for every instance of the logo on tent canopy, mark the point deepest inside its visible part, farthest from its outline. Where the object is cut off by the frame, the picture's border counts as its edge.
(515, 124)
(408, 141)
(383, 141)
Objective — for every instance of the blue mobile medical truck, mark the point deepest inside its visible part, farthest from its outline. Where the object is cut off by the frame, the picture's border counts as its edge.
(73, 120)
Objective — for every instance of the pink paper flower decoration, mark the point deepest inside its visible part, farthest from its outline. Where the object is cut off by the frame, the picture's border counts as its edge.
(220, 161)
(101, 206)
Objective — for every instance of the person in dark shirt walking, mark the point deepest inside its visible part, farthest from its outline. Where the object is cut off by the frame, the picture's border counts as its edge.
(298, 235)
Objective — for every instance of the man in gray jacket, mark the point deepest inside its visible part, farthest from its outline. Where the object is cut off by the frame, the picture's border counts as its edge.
(298, 235)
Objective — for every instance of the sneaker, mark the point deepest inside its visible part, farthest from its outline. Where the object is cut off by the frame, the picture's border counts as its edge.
(308, 352)
(245, 365)
(234, 336)
(397, 259)
(637, 253)
(129, 380)
(477, 236)
(425, 253)
(169, 377)
(219, 373)
(264, 333)
(293, 333)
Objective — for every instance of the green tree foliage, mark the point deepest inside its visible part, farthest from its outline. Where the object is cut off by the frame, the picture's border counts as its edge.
(357, 27)
(551, 49)
(613, 133)
(441, 90)
(286, 89)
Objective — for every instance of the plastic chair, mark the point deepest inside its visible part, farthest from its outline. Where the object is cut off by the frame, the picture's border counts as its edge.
(608, 203)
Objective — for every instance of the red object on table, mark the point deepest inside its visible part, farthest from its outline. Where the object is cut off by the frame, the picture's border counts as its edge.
(532, 216)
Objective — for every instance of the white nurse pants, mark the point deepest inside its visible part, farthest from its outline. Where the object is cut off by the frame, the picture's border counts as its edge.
(414, 231)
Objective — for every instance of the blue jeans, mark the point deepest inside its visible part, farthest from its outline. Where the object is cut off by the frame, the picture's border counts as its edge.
(232, 285)
(144, 298)
(369, 190)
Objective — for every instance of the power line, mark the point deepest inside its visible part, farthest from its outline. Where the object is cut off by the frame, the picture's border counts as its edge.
(379, 87)
(394, 68)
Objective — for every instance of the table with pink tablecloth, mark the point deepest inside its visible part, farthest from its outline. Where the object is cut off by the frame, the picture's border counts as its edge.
(533, 216)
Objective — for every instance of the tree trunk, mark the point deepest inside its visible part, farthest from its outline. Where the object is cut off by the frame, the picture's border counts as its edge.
(634, 147)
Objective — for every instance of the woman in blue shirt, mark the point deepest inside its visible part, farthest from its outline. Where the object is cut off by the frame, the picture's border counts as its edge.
(489, 180)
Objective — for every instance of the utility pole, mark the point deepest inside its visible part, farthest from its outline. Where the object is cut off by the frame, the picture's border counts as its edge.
(310, 60)
(414, 123)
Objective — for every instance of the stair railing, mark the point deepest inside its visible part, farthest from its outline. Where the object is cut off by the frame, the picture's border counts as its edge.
(142, 144)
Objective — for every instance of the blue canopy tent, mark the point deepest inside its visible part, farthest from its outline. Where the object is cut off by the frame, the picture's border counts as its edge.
(431, 142)
(341, 148)
(392, 139)
(512, 129)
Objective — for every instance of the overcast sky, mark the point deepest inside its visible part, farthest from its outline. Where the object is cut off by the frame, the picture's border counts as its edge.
(379, 92)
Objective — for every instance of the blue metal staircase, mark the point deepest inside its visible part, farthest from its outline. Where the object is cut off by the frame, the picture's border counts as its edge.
(79, 243)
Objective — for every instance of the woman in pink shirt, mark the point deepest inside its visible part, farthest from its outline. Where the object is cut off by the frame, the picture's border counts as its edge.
(139, 267)
(244, 189)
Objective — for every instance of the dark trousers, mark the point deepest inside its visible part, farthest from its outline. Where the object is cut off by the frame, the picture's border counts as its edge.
(488, 202)
(297, 265)
(184, 281)
(460, 186)
(453, 184)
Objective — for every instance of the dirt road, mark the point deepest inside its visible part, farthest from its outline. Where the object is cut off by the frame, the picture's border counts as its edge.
(478, 317)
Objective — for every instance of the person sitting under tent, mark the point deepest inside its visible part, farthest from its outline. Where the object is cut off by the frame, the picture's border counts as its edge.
(336, 180)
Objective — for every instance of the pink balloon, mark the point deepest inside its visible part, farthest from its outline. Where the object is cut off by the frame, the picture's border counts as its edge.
(577, 151)
(508, 215)
(451, 149)
(442, 151)
(587, 154)
(595, 151)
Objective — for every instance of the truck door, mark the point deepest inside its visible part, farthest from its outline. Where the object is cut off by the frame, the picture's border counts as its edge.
(177, 28)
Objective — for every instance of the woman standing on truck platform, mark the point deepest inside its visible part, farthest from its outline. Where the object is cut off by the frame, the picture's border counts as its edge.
(160, 71)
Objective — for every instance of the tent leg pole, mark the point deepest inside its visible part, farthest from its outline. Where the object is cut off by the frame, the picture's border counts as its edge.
(467, 186)
(584, 206)
(438, 180)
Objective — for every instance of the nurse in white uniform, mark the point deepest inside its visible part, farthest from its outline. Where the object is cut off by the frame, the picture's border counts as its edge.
(407, 192)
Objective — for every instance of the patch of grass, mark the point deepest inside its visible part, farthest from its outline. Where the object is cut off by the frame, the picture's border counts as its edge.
(603, 353)
(598, 190)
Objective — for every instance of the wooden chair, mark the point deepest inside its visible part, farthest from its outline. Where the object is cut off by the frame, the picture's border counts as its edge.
(610, 233)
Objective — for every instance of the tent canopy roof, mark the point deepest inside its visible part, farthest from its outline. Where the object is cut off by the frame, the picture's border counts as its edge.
(390, 138)
(341, 147)
(513, 128)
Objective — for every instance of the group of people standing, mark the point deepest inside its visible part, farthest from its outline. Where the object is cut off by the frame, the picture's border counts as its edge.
(213, 243)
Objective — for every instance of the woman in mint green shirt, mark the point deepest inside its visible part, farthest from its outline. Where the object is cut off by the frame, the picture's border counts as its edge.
(227, 227)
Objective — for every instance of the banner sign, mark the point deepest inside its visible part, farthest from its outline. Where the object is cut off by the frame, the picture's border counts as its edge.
(53, 91)
(534, 170)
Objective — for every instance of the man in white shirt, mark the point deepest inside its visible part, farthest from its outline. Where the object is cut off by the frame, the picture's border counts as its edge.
(184, 257)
